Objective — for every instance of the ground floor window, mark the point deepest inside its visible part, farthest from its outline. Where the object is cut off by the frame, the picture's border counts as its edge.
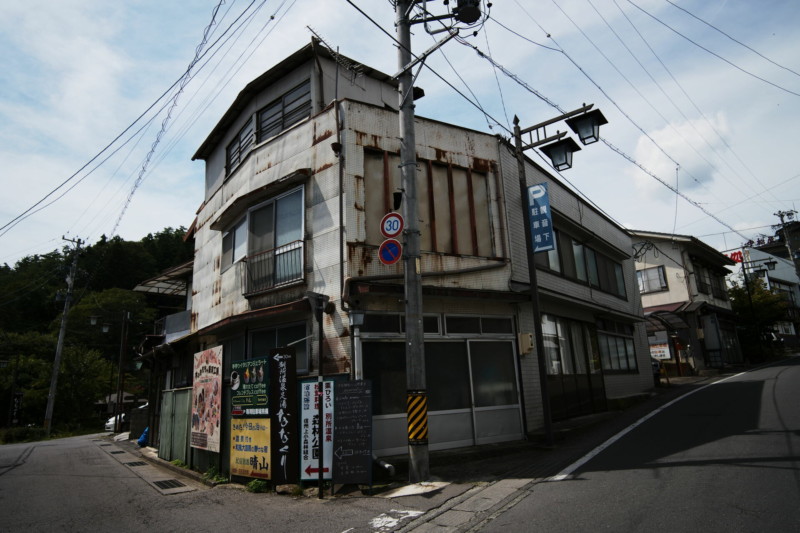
(615, 340)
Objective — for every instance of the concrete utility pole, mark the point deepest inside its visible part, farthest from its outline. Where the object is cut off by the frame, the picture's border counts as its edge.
(51, 396)
(790, 215)
(417, 399)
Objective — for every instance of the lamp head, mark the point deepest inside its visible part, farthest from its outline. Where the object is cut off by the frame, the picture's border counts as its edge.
(560, 153)
(587, 125)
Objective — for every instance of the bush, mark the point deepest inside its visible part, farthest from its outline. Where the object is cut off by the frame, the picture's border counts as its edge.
(22, 434)
(257, 485)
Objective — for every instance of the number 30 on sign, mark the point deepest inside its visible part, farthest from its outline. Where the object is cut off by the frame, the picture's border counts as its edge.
(392, 225)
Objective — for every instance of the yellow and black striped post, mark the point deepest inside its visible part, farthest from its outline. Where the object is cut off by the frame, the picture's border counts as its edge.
(417, 417)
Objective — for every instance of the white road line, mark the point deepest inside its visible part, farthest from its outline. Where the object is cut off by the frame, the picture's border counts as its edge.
(564, 474)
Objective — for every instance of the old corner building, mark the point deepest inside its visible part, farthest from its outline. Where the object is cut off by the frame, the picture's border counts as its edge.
(297, 183)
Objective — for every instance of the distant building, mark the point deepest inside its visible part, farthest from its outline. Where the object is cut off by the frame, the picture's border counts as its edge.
(297, 184)
(779, 275)
(682, 283)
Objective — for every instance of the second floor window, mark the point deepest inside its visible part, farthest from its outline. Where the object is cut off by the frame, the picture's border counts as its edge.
(270, 236)
(289, 109)
(238, 147)
(652, 279)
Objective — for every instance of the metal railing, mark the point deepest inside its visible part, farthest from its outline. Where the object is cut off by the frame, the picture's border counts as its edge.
(265, 270)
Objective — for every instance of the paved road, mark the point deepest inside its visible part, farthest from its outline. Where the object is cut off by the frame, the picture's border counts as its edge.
(93, 484)
(724, 458)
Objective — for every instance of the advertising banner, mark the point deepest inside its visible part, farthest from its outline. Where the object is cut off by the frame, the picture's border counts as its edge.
(540, 219)
(207, 399)
(250, 447)
(316, 433)
(249, 386)
(283, 413)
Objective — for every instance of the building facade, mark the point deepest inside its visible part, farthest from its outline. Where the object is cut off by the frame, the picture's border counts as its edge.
(683, 290)
(297, 184)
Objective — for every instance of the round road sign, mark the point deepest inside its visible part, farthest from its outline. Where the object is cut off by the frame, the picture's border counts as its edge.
(390, 251)
(392, 225)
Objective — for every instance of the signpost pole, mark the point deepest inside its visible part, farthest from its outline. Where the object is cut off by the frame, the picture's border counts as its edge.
(534, 289)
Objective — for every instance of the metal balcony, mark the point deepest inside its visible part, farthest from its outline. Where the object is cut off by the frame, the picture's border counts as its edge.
(273, 268)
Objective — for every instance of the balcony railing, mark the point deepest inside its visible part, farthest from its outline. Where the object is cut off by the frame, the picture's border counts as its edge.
(272, 268)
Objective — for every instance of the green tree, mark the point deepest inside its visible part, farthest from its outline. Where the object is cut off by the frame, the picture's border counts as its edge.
(83, 380)
(758, 310)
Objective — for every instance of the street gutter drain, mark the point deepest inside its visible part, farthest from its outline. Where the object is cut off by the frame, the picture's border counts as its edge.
(105, 445)
(117, 451)
(168, 484)
(136, 463)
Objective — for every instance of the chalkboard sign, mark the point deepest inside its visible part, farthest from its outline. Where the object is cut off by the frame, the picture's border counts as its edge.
(352, 435)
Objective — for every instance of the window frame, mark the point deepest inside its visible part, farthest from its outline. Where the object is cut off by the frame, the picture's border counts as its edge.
(285, 119)
(646, 283)
(240, 146)
(242, 226)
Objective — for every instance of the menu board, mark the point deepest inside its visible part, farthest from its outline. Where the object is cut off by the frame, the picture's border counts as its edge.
(352, 441)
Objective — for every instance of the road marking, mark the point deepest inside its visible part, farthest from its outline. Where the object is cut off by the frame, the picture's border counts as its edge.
(389, 521)
(564, 474)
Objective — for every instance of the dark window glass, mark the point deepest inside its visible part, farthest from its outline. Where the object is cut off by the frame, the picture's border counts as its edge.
(385, 365)
(287, 110)
(447, 376)
(463, 324)
(497, 325)
(381, 324)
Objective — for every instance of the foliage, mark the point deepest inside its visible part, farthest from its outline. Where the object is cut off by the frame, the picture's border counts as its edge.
(214, 476)
(756, 304)
(83, 380)
(21, 434)
(758, 310)
(179, 463)
(257, 485)
(31, 302)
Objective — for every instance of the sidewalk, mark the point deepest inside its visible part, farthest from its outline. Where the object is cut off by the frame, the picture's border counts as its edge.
(470, 485)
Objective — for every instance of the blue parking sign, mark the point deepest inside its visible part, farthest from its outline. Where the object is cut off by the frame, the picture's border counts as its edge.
(540, 219)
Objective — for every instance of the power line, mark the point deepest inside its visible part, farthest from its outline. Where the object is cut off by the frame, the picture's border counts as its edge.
(694, 105)
(731, 63)
(730, 37)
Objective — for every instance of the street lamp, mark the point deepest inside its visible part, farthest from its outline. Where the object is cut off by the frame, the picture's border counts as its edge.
(560, 152)
(587, 125)
(119, 400)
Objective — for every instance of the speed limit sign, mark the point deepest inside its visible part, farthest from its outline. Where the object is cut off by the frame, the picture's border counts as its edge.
(392, 225)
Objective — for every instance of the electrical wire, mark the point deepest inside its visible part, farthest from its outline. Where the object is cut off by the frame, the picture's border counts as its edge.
(696, 108)
(30, 210)
(731, 63)
(731, 37)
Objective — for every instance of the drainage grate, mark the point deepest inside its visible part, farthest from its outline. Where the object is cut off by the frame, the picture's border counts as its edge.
(136, 463)
(105, 445)
(168, 484)
(117, 451)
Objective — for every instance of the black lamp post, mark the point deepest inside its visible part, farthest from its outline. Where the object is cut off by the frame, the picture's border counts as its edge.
(560, 153)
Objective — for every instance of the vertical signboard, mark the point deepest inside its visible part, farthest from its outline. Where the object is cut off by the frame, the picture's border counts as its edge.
(250, 447)
(352, 442)
(249, 382)
(283, 411)
(207, 399)
(316, 433)
(540, 219)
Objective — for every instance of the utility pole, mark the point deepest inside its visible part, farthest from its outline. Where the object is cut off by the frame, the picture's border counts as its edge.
(790, 215)
(51, 396)
(417, 399)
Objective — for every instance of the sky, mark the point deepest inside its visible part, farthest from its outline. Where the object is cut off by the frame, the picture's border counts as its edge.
(103, 104)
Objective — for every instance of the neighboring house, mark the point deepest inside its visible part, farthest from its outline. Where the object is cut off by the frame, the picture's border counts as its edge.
(779, 275)
(296, 187)
(787, 237)
(682, 283)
